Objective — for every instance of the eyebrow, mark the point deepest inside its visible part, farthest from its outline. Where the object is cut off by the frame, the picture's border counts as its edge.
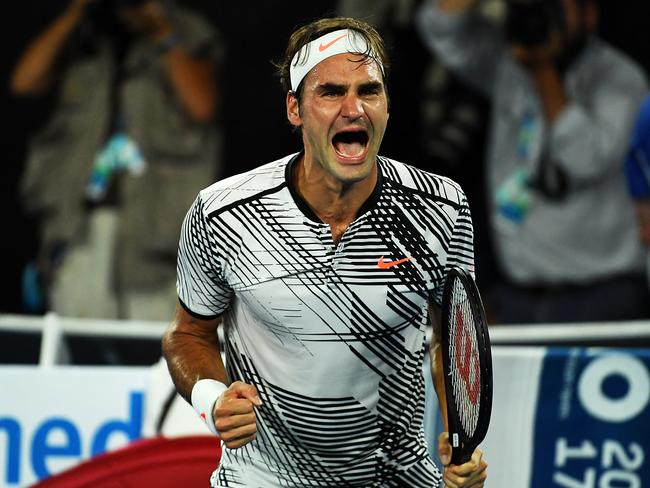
(324, 87)
(371, 85)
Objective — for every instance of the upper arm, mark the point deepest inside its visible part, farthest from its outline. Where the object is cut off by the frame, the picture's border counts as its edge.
(186, 330)
(190, 346)
(188, 323)
(591, 135)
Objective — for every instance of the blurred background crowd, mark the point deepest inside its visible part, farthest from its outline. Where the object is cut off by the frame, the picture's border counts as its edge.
(118, 112)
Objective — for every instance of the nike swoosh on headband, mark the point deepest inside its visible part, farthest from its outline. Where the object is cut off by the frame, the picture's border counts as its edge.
(322, 47)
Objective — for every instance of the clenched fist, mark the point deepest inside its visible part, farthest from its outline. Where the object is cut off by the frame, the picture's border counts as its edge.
(234, 415)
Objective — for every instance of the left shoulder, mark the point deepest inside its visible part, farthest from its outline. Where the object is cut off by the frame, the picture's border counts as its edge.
(419, 181)
(605, 62)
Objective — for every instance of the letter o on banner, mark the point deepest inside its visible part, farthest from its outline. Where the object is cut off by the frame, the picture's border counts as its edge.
(609, 409)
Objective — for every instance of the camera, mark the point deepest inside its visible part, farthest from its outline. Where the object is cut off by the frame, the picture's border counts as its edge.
(530, 22)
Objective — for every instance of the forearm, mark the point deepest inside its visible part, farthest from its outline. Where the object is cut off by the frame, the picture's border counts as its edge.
(192, 353)
(438, 380)
(551, 91)
(435, 358)
(193, 81)
(34, 72)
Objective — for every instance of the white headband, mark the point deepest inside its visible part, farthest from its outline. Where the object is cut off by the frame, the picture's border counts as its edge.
(331, 44)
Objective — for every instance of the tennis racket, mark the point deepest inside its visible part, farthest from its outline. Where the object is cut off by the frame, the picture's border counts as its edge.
(466, 363)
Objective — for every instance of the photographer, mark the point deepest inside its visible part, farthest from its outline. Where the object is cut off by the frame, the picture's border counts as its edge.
(130, 139)
(563, 102)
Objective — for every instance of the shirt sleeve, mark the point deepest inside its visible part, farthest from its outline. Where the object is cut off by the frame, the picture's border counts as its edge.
(461, 247)
(202, 290)
(589, 138)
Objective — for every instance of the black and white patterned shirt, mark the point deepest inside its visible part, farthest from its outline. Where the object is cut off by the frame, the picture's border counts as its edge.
(331, 335)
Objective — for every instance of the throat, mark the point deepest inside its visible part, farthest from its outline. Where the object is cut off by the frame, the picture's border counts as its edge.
(338, 229)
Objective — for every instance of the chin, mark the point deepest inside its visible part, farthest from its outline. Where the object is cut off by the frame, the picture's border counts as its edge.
(353, 173)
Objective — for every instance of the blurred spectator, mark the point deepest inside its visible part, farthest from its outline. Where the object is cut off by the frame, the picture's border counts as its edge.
(563, 106)
(637, 171)
(129, 141)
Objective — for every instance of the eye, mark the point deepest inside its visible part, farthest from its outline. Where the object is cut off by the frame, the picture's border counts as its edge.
(331, 93)
(370, 91)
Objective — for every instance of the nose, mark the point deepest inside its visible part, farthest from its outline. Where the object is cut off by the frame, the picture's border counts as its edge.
(352, 107)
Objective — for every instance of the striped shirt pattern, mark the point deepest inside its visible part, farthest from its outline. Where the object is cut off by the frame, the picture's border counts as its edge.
(331, 334)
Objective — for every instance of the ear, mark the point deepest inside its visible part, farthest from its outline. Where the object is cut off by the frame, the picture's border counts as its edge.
(293, 110)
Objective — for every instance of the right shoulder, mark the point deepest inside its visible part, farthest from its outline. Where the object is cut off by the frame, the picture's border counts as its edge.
(244, 187)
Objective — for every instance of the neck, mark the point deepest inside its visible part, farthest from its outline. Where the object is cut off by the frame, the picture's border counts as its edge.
(331, 200)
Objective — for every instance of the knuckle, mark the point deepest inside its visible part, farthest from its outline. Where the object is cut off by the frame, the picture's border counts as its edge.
(220, 412)
(221, 425)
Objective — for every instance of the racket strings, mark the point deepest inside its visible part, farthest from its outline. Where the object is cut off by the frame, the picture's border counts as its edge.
(465, 367)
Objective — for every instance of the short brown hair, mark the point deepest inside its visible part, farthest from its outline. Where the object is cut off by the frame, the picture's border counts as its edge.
(307, 33)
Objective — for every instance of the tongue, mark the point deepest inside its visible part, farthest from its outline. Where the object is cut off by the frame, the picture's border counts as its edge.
(349, 149)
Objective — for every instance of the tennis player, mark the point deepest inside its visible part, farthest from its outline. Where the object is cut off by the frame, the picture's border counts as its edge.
(321, 268)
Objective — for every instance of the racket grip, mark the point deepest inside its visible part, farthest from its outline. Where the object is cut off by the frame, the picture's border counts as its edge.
(459, 454)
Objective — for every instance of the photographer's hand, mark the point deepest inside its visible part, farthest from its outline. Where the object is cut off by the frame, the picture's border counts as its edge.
(148, 19)
(532, 57)
(35, 72)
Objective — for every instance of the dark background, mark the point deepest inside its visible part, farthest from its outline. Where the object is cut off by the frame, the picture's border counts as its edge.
(253, 114)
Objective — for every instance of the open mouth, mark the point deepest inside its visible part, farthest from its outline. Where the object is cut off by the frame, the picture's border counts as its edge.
(351, 144)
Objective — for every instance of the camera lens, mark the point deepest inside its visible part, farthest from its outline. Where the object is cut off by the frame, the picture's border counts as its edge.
(530, 23)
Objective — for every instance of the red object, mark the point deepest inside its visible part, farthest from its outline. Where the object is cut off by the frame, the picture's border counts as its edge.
(160, 462)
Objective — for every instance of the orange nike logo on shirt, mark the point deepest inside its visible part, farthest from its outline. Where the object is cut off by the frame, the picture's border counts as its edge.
(389, 264)
(322, 46)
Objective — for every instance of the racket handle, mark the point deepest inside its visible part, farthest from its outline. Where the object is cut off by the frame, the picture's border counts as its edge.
(458, 454)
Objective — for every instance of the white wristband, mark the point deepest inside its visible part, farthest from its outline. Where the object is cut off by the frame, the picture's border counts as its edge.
(204, 395)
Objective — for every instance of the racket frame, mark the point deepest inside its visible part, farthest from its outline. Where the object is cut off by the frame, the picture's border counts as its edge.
(463, 445)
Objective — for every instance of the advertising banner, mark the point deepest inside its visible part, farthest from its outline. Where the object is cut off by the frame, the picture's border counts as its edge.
(561, 418)
(592, 426)
(51, 419)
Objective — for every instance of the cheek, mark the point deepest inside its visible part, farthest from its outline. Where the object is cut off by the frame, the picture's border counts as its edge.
(319, 117)
(379, 118)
